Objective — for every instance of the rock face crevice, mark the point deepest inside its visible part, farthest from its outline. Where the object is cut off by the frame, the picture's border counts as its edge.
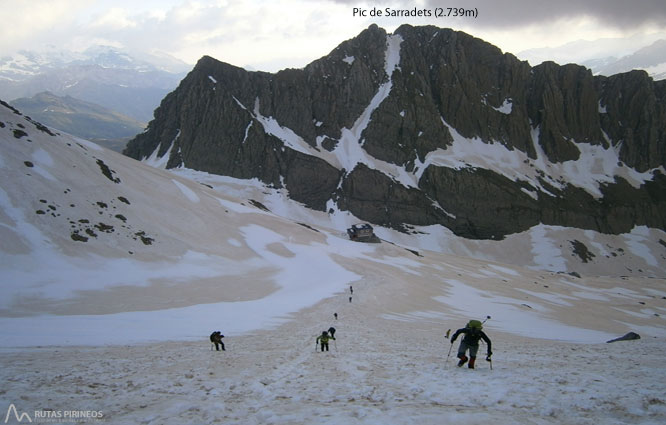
(448, 92)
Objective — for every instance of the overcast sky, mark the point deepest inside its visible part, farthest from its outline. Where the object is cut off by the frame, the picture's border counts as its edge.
(270, 35)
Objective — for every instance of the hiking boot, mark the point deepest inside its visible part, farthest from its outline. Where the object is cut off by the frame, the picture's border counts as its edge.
(471, 362)
(462, 361)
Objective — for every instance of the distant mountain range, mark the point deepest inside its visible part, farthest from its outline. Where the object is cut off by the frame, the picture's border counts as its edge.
(83, 119)
(608, 56)
(651, 58)
(131, 84)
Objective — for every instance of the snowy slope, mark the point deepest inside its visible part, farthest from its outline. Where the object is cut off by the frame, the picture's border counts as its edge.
(83, 227)
(167, 260)
(543, 247)
(92, 237)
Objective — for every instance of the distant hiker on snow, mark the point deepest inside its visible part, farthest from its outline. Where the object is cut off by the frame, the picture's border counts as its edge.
(470, 342)
(323, 340)
(216, 338)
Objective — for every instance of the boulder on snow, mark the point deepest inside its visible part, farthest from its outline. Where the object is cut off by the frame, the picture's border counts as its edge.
(627, 337)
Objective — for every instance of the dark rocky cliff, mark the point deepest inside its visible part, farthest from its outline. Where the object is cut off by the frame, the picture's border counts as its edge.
(447, 84)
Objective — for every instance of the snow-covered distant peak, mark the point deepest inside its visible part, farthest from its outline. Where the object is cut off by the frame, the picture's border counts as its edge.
(27, 63)
(109, 57)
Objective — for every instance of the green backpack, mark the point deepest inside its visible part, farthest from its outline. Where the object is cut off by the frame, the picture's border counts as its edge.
(475, 324)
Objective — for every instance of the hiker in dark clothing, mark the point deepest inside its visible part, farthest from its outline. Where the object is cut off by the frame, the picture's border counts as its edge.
(216, 338)
(470, 342)
(331, 331)
(323, 340)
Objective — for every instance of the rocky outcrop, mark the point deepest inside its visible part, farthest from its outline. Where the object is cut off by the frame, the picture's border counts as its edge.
(630, 336)
(354, 130)
(634, 115)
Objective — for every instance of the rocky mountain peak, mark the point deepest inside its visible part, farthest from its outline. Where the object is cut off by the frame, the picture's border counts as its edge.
(429, 126)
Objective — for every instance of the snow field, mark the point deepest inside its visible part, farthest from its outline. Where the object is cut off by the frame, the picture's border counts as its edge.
(378, 371)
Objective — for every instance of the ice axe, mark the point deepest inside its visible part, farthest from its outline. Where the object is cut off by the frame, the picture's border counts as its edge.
(486, 319)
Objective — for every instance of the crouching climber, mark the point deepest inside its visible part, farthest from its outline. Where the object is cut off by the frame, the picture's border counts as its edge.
(216, 339)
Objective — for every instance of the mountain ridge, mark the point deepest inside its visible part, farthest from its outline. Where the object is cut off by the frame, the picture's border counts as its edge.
(83, 119)
(392, 109)
(132, 84)
(608, 56)
(652, 58)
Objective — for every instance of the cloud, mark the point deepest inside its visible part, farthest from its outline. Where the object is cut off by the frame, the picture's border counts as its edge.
(249, 33)
(620, 14)
(270, 35)
(24, 21)
(115, 19)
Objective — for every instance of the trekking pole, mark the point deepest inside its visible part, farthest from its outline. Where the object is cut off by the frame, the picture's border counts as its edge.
(446, 365)
(488, 359)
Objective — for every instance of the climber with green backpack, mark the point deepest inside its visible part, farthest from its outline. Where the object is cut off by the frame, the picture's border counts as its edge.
(323, 339)
(473, 333)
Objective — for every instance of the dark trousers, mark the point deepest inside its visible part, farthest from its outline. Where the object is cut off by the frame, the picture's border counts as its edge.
(217, 345)
(473, 349)
(324, 345)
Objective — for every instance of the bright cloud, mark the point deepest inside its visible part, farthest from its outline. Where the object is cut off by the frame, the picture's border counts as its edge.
(273, 35)
(114, 19)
